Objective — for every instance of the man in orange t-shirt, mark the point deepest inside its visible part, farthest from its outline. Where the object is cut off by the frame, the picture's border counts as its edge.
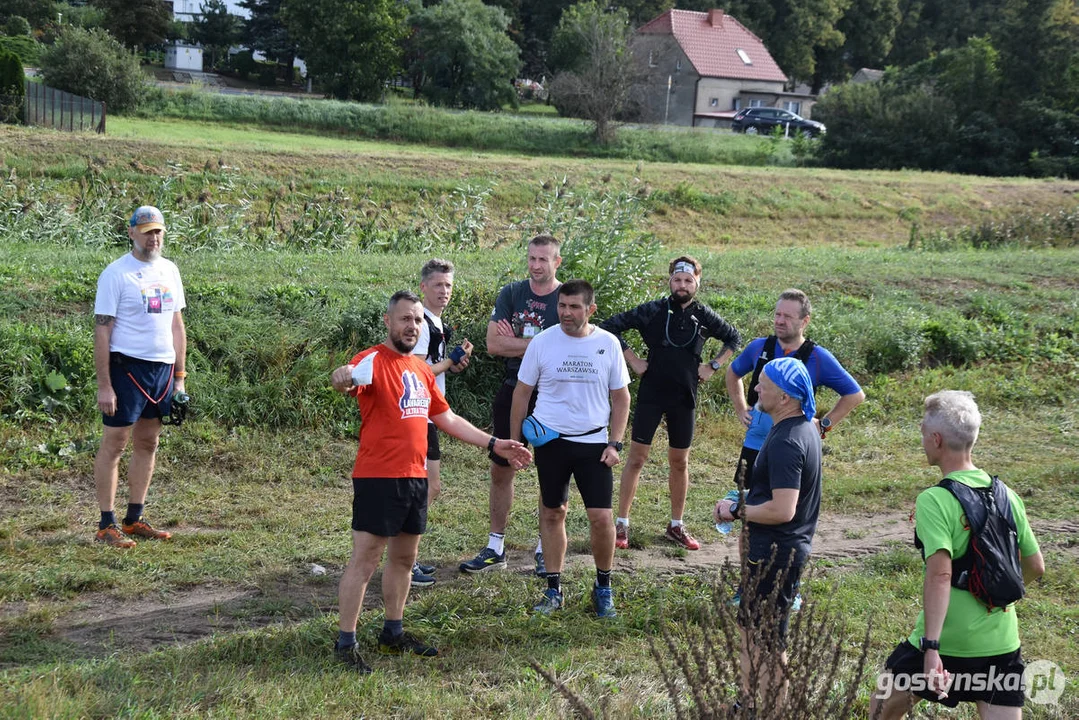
(396, 393)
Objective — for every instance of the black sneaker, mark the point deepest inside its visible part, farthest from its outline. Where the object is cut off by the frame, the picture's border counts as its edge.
(425, 569)
(405, 642)
(421, 579)
(488, 559)
(541, 568)
(351, 656)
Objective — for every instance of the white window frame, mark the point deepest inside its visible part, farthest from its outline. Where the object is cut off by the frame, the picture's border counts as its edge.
(744, 56)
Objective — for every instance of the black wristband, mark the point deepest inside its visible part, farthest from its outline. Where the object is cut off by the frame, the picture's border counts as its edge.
(491, 444)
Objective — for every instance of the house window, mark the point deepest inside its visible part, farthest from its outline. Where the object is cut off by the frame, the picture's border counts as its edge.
(714, 102)
(745, 58)
(756, 103)
(651, 59)
(738, 103)
(793, 106)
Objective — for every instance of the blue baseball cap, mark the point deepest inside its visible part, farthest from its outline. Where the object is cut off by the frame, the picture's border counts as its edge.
(147, 218)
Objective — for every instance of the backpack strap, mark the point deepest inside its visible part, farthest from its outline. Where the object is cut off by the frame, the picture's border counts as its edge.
(977, 503)
(767, 353)
(439, 338)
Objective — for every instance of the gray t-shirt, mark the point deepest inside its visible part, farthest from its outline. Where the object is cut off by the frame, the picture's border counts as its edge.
(789, 459)
(528, 313)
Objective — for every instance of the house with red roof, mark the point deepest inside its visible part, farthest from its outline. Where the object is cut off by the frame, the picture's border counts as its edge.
(702, 67)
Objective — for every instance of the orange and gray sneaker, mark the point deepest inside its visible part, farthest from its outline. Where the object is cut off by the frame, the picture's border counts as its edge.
(680, 536)
(113, 537)
(621, 536)
(141, 528)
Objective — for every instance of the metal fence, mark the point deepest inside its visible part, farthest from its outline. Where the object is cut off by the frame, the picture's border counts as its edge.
(49, 107)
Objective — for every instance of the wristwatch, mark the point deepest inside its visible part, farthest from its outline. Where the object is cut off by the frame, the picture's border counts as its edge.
(927, 644)
(735, 509)
(825, 425)
(616, 445)
(491, 444)
(714, 365)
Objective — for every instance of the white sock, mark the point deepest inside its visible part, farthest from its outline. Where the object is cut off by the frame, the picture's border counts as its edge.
(497, 542)
(622, 521)
(539, 545)
(676, 523)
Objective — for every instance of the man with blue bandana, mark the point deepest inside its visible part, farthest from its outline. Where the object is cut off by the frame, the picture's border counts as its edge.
(790, 321)
(781, 509)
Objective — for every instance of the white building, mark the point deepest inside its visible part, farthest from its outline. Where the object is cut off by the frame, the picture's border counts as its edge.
(182, 56)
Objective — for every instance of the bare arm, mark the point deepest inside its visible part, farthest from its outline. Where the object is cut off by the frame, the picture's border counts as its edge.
(179, 344)
(780, 509)
(936, 592)
(637, 364)
(106, 397)
(737, 394)
(843, 407)
(455, 425)
(619, 420)
(522, 393)
(705, 371)
(1033, 567)
(504, 345)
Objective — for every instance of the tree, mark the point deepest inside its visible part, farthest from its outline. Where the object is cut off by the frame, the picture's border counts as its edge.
(12, 86)
(94, 64)
(17, 26)
(352, 47)
(37, 12)
(216, 28)
(868, 28)
(465, 57)
(266, 32)
(598, 73)
(136, 23)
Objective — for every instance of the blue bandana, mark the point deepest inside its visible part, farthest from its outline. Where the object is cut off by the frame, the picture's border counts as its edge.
(791, 376)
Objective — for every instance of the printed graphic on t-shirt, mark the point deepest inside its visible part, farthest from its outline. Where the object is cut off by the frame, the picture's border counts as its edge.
(577, 368)
(157, 298)
(528, 323)
(415, 399)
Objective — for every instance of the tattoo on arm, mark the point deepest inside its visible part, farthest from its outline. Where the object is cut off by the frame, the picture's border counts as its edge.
(103, 319)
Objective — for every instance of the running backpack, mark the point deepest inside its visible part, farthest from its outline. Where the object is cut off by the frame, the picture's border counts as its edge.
(991, 569)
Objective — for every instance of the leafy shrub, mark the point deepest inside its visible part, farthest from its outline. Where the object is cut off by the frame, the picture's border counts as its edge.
(1059, 229)
(17, 26)
(12, 87)
(93, 64)
(26, 48)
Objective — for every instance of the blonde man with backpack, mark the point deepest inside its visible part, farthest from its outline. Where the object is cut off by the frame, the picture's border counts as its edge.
(965, 644)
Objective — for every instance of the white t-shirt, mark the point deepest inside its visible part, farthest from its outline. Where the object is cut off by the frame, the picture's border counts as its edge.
(143, 297)
(423, 344)
(574, 377)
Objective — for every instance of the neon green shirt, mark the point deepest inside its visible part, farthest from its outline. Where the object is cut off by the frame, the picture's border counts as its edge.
(969, 629)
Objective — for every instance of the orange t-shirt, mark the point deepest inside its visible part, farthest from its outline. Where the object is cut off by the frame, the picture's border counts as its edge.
(394, 409)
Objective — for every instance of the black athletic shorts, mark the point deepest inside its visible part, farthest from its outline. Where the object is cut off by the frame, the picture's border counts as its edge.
(997, 679)
(143, 389)
(764, 575)
(745, 466)
(680, 424)
(434, 452)
(559, 459)
(389, 506)
(500, 417)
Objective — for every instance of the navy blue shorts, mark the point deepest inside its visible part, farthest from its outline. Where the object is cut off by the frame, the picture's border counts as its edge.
(143, 390)
(681, 422)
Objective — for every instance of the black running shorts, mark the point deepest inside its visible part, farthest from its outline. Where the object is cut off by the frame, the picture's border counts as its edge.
(500, 417)
(997, 679)
(389, 506)
(559, 459)
(681, 422)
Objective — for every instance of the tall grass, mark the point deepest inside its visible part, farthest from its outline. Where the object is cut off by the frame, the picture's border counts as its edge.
(529, 135)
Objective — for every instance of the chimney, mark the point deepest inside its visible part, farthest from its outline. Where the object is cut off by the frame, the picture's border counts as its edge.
(715, 17)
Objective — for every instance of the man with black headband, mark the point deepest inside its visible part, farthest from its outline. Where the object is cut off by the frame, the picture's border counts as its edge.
(674, 330)
(781, 509)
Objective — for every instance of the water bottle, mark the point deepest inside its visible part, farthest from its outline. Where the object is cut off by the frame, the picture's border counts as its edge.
(724, 528)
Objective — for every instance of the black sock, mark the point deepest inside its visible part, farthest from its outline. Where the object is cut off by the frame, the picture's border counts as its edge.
(134, 512)
(392, 628)
(108, 517)
(554, 581)
(603, 578)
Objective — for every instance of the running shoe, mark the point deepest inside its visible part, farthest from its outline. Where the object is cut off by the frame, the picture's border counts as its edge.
(552, 600)
(113, 537)
(541, 568)
(141, 528)
(796, 604)
(426, 569)
(351, 656)
(621, 536)
(680, 536)
(488, 559)
(405, 642)
(420, 579)
(603, 602)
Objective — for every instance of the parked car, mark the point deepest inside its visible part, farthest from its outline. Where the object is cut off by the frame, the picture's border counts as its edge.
(756, 120)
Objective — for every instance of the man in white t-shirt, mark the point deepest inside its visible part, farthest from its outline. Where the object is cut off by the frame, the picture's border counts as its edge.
(140, 349)
(583, 385)
(436, 348)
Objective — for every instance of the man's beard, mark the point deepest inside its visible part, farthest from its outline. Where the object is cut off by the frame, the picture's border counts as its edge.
(403, 345)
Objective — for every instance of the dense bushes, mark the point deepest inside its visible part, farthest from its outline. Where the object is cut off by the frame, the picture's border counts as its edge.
(93, 64)
(12, 87)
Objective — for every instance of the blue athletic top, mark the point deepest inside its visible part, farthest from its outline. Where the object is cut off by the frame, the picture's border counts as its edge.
(823, 368)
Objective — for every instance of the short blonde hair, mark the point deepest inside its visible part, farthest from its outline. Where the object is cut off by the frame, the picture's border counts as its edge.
(955, 415)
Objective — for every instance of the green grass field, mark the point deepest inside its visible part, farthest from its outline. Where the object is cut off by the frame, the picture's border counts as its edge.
(288, 244)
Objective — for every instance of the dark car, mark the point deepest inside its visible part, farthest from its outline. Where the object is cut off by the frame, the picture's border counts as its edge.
(761, 120)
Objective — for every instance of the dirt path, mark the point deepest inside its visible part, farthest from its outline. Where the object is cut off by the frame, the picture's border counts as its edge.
(101, 625)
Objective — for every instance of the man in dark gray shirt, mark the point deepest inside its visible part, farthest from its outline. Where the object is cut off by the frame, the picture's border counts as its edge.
(781, 511)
